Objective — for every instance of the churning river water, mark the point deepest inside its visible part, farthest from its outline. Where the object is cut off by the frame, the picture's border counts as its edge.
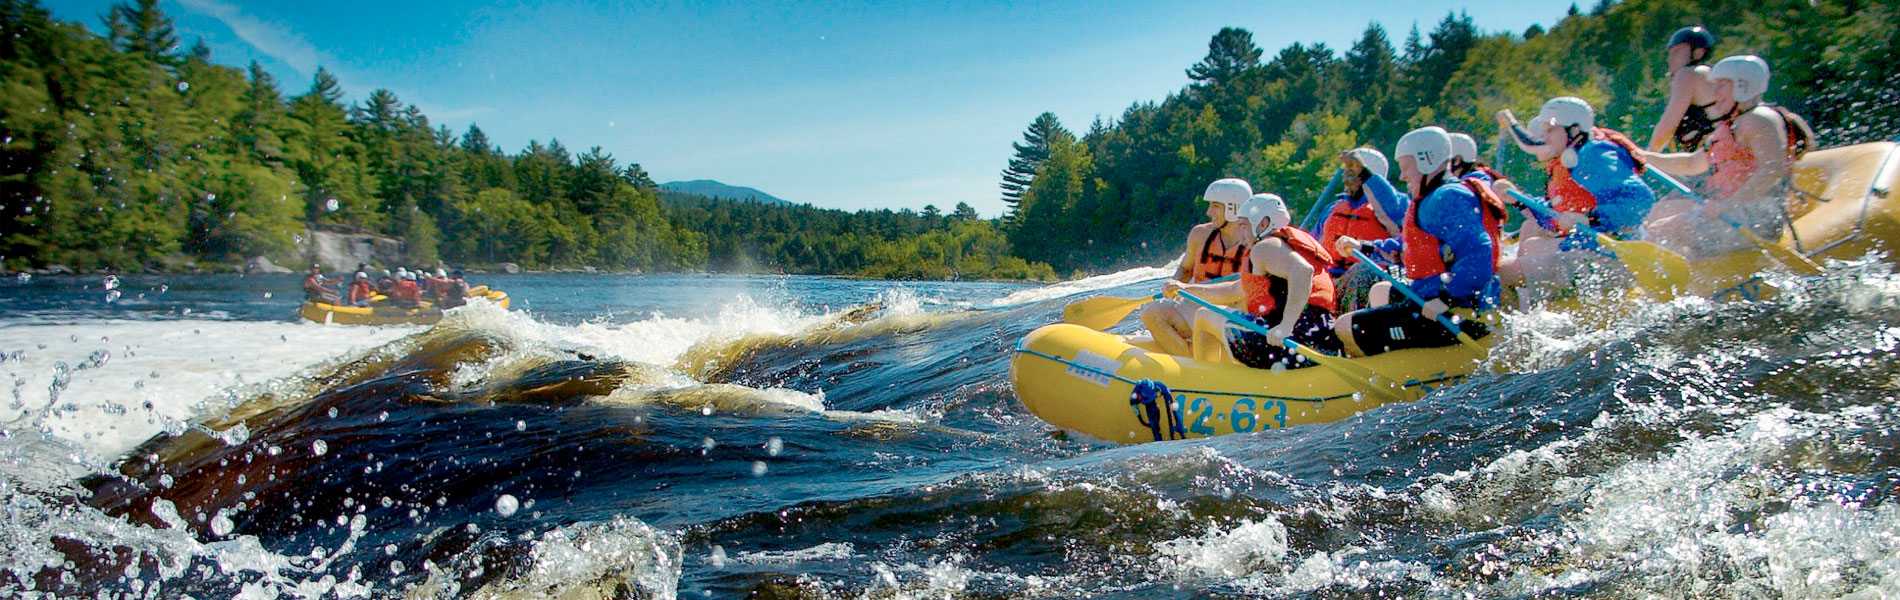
(694, 436)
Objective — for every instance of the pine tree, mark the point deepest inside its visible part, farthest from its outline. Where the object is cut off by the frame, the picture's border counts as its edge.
(1044, 132)
(1229, 54)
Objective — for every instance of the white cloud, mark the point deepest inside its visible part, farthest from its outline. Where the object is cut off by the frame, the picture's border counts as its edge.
(275, 41)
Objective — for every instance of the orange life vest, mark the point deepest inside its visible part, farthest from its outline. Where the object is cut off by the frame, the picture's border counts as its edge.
(1566, 195)
(1265, 293)
(1215, 265)
(1359, 223)
(1422, 252)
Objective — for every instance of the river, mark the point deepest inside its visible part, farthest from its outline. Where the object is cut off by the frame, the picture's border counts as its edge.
(717, 436)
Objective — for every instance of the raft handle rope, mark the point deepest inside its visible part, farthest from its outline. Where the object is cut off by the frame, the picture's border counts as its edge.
(1148, 413)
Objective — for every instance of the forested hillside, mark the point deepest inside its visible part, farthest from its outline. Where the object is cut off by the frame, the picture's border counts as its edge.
(123, 151)
(1125, 191)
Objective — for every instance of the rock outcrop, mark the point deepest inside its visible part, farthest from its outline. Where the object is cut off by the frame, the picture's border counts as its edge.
(261, 264)
(342, 251)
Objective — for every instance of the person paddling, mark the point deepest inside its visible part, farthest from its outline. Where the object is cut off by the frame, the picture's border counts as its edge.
(1686, 120)
(1594, 179)
(1370, 209)
(1749, 159)
(1286, 288)
(361, 290)
(1448, 247)
(1215, 249)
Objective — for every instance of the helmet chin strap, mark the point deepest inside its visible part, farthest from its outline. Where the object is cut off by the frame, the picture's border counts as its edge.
(1574, 138)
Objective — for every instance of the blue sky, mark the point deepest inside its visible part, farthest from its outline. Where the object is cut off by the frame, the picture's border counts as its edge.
(846, 105)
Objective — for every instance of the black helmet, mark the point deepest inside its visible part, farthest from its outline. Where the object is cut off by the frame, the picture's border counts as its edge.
(1697, 37)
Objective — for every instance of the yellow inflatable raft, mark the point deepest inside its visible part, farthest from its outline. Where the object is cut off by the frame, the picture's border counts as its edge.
(384, 312)
(1082, 380)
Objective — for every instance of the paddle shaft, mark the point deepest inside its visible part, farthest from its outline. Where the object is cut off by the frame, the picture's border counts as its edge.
(1789, 257)
(1413, 296)
(1539, 207)
(1357, 375)
(1314, 218)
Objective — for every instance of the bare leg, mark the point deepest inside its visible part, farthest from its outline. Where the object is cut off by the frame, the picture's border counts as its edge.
(1381, 294)
(1169, 327)
(1343, 328)
(1210, 338)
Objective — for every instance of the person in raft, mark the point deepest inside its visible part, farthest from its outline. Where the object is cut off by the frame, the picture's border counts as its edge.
(1465, 162)
(1215, 249)
(1370, 209)
(1595, 179)
(1686, 120)
(314, 290)
(1448, 247)
(361, 290)
(1749, 159)
(1286, 287)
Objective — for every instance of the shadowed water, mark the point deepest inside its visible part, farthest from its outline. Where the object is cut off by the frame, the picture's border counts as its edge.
(691, 436)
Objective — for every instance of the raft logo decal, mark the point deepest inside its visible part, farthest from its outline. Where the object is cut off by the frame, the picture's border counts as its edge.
(1093, 368)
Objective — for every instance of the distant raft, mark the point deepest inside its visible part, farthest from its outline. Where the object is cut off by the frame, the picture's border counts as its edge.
(1842, 206)
(384, 312)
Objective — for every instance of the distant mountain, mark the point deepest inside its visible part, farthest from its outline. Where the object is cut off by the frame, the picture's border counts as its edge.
(714, 189)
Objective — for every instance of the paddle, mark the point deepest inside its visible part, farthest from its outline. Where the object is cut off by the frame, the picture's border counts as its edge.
(1373, 383)
(1658, 269)
(1315, 218)
(1103, 311)
(1782, 254)
(1463, 338)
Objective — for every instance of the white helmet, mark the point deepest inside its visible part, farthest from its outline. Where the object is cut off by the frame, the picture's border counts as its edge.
(1373, 160)
(1462, 146)
(1269, 209)
(1230, 193)
(1430, 146)
(1749, 72)
(1566, 111)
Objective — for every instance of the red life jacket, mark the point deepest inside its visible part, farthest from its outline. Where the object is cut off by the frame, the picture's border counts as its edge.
(361, 290)
(1265, 293)
(1566, 195)
(1422, 252)
(1215, 265)
(1359, 223)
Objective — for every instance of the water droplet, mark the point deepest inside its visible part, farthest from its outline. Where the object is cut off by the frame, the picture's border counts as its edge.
(774, 446)
(708, 444)
(395, 567)
(521, 425)
(758, 468)
(267, 295)
(320, 448)
(506, 505)
(184, 85)
(706, 410)
(718, 559)
(221, 524)
(330, 205)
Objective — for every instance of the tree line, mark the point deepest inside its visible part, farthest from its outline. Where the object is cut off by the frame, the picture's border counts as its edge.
(122, 151)
(1126, 190)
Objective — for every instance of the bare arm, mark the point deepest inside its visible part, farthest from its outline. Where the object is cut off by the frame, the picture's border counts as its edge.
(1682, 88)
(1679, 163)
(1272, 257)
(1525, 142)
(1196, 239)
(1226, 293)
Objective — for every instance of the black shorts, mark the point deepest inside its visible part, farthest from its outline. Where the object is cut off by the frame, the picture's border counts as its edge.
(1399, 325)
(1313, 330)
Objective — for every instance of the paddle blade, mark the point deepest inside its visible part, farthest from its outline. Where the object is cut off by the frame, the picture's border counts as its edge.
(1102, 312)
(1658, 270)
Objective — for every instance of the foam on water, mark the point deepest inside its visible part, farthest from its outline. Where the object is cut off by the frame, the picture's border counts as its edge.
(1089, 284)
(106, 386)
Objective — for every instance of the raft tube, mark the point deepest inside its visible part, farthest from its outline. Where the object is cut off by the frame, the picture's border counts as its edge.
(384, 312)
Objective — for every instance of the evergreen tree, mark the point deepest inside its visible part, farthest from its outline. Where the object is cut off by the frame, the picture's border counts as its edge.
(1229, 54)
(1042, 133)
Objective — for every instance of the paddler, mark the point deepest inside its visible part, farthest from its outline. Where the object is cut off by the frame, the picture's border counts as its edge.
(1215, 249)
(1749, 158)
(1686, 120)
(314, 289)
(1448, 247)
(1370, 209)
(1286, 287)
(360, 289)
(1595, 179)
(1467, 164)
